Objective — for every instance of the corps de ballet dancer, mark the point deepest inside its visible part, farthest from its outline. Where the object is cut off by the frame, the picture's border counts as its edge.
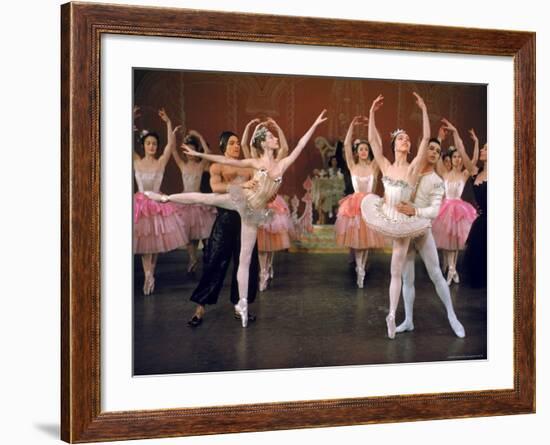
(399, 179)
(274, 235)
(251, 203)
(452, 226)
(426, 203)
(351, 230)
(158, 227)
(198, 218)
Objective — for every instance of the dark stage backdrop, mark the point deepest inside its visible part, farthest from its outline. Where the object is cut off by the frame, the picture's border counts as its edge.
(211, 102)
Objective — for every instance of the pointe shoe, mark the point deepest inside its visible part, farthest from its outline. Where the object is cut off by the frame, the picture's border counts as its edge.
(406, 326)
(242, 309)
(270, 271)
(450, 275)
(390, 324)
(264, 276)
(457, 327)
(456, 279)
(192, 266)
(148, 284)
(360, 276)
(195, 321)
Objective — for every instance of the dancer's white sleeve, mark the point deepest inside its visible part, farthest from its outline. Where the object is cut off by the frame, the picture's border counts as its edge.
(436, 195)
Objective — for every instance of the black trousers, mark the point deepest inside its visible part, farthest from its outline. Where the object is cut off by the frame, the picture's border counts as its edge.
(223, 245)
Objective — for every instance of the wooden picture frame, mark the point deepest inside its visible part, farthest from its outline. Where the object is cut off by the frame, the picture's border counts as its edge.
(82, 26)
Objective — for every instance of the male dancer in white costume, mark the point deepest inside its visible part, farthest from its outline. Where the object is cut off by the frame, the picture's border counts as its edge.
(426, 203)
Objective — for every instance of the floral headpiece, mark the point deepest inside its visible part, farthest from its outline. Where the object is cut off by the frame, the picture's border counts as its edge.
(260, 135)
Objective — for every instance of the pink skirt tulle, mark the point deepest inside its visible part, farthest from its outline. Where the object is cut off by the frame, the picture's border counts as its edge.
(157, 226)
(351, 230)
(198, 220)
(452, 226)
(276, 234)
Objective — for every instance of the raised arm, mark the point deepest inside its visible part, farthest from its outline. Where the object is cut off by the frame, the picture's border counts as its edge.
(475, 157)
(251, 163)
(244, 140)
(179, 160)
(348, 141)
(135, 114)
(283, 143)
(202, 141)
(171, 137)
(440, 166)
(460, 146)
(423, 147)
(374, 137)
(288, 161)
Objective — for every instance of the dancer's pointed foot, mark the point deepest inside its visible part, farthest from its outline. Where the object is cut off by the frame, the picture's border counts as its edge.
(450, 275)
(360, 276)
(251, 317)
(456, 279)
(457, 327)
(270, 271)
(264, 277)
(148, 284)
(406, 326)
(241, 308)
(390, 324)
(192, 267)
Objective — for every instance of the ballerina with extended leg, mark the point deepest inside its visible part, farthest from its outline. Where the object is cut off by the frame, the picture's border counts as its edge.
(250, 200)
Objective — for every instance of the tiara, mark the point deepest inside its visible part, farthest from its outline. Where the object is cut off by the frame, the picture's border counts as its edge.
(394, 134)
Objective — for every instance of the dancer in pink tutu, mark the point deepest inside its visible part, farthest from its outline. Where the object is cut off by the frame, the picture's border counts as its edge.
(274, 235)
(157, 226)
(251, 203)
(454, 221)
(351, 230)
(198, 218)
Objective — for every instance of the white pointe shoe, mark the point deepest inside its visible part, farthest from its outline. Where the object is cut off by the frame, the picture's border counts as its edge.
(270, 271)
(390, 324)
(456, 279)
(406, 326)
(457, 327)
(264, 276)
(148, 284)
(360, 276)
(242, 309)
(450, 275)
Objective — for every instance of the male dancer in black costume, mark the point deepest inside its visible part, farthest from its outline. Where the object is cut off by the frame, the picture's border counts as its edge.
(224, 242)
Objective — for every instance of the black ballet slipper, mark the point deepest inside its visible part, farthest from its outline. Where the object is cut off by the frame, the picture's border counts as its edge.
(194, 322)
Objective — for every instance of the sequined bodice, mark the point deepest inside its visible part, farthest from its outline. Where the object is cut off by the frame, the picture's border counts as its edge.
(266, 189)
(363, 184)
(454, 189)
(191, 181)
(395, 191)
(149, 181)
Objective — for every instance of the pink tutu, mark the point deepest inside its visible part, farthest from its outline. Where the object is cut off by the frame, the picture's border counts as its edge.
(351, 230)
(157, 226)
(276, 234)
(198, 220)
(452, 225)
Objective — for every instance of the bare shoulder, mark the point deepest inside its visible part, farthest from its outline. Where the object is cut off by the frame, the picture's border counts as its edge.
(216, 169)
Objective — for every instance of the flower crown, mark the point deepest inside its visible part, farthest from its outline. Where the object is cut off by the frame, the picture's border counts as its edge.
(394, 134)
(260, 134)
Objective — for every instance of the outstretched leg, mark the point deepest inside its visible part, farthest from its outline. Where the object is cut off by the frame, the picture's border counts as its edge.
(409, 294)
(399, 255)
(248, 240)
(428, 252)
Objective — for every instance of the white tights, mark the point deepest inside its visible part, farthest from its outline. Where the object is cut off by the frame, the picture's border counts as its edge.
(428, 252)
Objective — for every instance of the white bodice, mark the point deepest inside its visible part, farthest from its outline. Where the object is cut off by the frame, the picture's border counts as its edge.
(364, 184)
(191, 181)
(395, 191)
(149, 181)
(454, 189)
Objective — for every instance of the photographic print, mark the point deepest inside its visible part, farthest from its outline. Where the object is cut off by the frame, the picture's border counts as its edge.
(284, 221)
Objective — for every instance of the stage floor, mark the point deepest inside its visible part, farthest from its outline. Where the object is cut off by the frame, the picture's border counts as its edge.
(312, 315)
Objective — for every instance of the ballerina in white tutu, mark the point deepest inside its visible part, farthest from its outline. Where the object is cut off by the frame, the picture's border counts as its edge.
(399, 179)
(251, 203)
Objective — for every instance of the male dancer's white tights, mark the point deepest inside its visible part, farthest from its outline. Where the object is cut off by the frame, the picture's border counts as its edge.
(428, 252)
